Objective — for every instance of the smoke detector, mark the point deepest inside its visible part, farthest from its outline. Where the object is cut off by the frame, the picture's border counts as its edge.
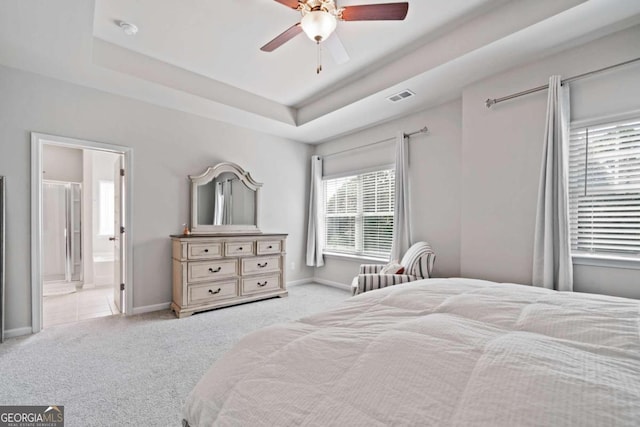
(128, 28)
(401, 95)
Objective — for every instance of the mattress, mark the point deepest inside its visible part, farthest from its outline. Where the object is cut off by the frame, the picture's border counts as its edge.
(455, 352)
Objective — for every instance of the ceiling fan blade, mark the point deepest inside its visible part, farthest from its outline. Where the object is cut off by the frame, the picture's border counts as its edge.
(282, 38)
(293, 4)
(336, 49)
(376, 12)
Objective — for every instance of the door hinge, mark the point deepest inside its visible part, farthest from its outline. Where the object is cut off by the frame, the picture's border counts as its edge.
(122, 286)
(121, 230)
(121, 172)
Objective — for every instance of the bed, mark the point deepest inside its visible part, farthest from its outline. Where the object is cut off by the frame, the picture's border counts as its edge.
(453, 352)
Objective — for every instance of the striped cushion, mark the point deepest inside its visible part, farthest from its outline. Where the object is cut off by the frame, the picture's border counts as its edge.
(369, 282)
(419, 259)
(371, 268)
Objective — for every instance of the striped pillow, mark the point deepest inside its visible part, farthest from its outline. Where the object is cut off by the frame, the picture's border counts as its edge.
(392, 268)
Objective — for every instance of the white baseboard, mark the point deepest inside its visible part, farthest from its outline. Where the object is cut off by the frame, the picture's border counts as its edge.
(332, 284)
(300, 282)
(18, 332)
(167, 305)
(319, 281)
(150, 308)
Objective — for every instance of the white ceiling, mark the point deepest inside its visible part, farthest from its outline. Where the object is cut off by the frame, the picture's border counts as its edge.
(221, 40)
(203, 57)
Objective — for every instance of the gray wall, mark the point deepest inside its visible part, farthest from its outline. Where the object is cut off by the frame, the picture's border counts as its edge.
(484, 167)
(501, 155)
(168, 146)
(434, 171)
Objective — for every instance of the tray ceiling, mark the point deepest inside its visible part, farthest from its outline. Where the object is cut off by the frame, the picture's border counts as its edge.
(203, 57)
(221, 40)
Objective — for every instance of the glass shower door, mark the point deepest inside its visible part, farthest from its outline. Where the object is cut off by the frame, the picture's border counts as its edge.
(75, 227)
(62, 231)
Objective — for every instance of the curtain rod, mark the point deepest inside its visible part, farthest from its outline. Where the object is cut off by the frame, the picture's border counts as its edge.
(489, 102)
(423, 130)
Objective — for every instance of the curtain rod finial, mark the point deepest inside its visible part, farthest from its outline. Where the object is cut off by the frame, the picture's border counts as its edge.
(489, 102)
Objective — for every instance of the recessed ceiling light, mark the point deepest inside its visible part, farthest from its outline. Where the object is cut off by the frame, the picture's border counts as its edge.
(128, 28)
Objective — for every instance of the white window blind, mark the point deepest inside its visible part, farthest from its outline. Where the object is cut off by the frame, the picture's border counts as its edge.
(359, 213)
(604, 188)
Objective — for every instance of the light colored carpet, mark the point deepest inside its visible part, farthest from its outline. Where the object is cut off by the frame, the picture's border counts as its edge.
(138, 370)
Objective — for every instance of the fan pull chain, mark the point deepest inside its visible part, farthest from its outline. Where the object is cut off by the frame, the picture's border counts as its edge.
(319, 67)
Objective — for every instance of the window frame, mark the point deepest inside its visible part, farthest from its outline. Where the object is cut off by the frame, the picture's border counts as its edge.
(608, 260)
(358, 254)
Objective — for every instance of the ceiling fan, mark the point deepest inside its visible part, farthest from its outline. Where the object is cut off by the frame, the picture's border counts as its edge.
(320, 17)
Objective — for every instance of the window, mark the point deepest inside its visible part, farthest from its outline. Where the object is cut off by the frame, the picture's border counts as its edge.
(604, 189)
(359, 214)
(105, 208)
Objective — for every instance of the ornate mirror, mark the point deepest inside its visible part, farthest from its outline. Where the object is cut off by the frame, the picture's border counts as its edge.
(224, 199)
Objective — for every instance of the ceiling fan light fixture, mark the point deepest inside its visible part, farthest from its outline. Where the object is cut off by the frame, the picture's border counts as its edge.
(318, 25)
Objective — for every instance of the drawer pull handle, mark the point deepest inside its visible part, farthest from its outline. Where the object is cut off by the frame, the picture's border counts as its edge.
(270, 247)
(262, 265)
(206, 250)
(211, 270)
(262, 284)
(214, 292)
(240, 248)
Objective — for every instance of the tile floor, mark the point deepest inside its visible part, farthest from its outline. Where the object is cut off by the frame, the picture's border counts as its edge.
(87, 303)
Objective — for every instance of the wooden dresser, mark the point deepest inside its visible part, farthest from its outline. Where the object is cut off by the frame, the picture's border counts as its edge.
(221, 270)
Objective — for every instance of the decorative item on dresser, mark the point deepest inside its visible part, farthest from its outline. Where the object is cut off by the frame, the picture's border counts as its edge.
(225, 259)
(221, 270)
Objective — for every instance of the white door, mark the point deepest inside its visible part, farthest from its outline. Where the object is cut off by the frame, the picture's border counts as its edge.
(119, 234)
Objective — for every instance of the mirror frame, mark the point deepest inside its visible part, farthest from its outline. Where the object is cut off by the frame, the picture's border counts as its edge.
(209, 175)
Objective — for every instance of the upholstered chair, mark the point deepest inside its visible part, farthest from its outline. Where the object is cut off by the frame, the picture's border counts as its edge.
(417, 262)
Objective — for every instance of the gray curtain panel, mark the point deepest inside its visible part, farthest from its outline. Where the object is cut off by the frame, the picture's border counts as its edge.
(552, 266)
(401, 225)
(315, 229)
(218, 206)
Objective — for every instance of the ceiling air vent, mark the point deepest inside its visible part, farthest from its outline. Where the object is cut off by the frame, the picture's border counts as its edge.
(401, 95)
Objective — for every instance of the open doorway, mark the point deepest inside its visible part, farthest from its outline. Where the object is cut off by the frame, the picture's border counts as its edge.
(80, 209)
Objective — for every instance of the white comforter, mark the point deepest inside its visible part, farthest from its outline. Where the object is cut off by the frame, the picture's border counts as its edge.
(436, 352)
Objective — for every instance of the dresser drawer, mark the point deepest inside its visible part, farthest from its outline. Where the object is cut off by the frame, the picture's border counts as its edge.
(269, 247)
(238, 248)
(210, 292)
(204, 250)
(212, 270)
(263, 264)
(252, 285)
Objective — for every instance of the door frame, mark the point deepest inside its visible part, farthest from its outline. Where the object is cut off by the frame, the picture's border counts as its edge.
(38, 140)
